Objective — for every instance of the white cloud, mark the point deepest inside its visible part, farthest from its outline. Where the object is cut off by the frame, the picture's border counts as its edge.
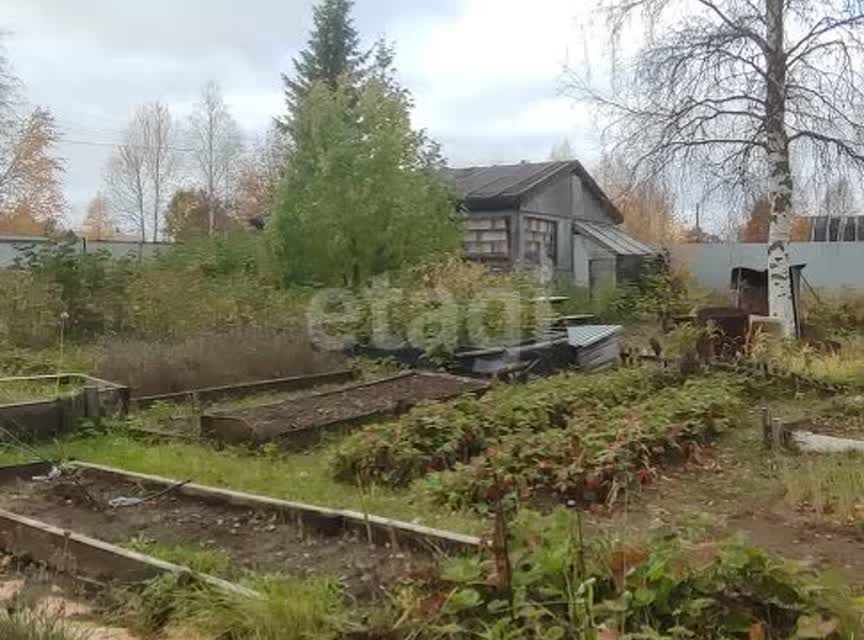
(485, 74)
(493, 73)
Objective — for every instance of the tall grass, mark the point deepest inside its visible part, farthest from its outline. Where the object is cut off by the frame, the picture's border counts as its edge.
(198, 558)
(30, 624)
(212, 359)
(829, 485)
(287, 609)
(845, 366)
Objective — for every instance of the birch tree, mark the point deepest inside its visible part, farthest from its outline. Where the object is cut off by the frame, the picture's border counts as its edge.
(738, 92)
(216, 145)
(126, 183)
(140, 174)
(160, 158)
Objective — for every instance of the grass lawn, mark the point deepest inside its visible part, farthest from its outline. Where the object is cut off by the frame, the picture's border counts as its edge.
(303, 477)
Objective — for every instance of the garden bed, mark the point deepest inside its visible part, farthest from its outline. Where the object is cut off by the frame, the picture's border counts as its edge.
(256, 533)
(70, 397)
(278, 385)
(304, 420)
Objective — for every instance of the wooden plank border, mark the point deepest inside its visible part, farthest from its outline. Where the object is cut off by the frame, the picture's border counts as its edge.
(323, 519)
(211, 422)
(78, 555)
(212, 394)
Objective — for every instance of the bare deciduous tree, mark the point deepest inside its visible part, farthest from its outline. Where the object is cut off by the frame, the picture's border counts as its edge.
(139, 176)
(217, 144)
(160, 158)
(126, 183)
(738, 90)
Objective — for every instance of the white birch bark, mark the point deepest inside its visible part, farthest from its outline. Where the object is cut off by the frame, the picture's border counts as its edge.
(780, 300)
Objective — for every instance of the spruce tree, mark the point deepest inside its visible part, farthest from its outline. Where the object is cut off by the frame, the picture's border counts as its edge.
(333, 51)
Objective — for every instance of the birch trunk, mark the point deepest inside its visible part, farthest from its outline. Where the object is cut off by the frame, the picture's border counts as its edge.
(780, 301)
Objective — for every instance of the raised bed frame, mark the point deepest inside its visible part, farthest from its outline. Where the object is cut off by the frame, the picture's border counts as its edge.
(222, 392)
(212, 424)
(83, 556)
(42, 419)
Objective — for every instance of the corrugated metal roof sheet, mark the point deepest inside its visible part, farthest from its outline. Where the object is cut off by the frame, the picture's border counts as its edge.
(613, 239)
(587, 335)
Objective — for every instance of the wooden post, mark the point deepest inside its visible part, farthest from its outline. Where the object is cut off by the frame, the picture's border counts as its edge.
(777, 433)
(767, 431)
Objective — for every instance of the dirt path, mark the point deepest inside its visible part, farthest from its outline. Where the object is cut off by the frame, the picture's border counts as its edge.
(734, 489)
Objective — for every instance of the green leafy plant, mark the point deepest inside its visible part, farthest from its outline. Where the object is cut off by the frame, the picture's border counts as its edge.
(597, 455)
(437, 436)
(567, 587)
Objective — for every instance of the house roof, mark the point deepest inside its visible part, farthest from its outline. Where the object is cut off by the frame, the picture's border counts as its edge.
(613, 239)
(505, 186)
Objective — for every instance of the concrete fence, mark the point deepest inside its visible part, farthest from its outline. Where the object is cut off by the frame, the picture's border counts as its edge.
(829, 265)
(11, 247)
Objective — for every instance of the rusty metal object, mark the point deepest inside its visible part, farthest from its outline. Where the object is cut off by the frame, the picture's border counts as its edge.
(732, 329)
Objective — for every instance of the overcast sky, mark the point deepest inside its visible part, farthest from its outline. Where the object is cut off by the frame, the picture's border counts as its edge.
(485, 74)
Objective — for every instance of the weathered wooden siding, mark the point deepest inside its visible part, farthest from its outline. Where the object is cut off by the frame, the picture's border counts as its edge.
(568, 198)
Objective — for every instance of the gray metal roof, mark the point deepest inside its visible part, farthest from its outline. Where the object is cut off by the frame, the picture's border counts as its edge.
(613, 239)
(585, 336)
(505, 186)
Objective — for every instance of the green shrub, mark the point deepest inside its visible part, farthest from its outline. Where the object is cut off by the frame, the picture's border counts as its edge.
(91, 286)
(449, 303)
(167, 305)
(30, 314)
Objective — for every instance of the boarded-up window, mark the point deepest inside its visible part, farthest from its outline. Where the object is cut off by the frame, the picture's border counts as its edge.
(487, 237)
(541, 241)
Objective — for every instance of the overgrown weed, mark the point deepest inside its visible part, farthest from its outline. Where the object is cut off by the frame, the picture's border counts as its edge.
(830, 485)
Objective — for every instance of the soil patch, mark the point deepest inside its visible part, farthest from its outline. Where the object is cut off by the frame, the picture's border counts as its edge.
(254, 540)
(733, 489)
(390, 396)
